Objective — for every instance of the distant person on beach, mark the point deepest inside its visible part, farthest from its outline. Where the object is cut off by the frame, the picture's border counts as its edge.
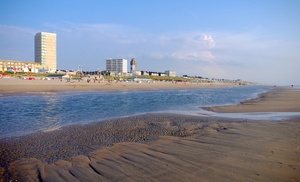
(95, 79)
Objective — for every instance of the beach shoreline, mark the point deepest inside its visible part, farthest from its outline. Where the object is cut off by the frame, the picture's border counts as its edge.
(164, 147)
(279, 99)
(16, 85)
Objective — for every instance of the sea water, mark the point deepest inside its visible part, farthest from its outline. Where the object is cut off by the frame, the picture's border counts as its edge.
(28, 113)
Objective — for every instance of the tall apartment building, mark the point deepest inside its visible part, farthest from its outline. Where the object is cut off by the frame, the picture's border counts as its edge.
(116, 65)
(45, 50)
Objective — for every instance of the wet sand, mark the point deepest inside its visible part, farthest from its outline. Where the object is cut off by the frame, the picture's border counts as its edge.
(282, 99)
(161, 147)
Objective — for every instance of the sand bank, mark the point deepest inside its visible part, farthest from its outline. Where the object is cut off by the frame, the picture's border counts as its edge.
(15, 85)
(280, 99)
(160, 147)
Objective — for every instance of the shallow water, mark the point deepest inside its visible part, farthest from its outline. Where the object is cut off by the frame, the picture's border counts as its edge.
(27, 113)
(270, 116)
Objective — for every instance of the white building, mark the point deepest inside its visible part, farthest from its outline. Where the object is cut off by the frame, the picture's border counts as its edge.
(170, 73)
(19, 66)
(45, 50)
(136, 72)
(118, 66)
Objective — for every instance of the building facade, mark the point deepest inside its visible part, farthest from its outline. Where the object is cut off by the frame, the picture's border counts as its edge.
(171, 73)
(133, 66)
(45, 50)
(19, 66)
(118, 66)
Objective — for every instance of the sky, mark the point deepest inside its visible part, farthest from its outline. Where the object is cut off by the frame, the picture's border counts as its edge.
(252, 40)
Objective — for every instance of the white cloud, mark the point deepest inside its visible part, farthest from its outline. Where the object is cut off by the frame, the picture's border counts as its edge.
(188, 54)
(187, 47)
(196, 47)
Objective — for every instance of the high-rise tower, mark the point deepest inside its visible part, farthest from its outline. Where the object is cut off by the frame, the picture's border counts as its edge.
(133, 66)
(45, 50)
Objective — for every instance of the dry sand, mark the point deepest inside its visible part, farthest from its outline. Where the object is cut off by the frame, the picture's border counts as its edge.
(161, 147)
(16, 85)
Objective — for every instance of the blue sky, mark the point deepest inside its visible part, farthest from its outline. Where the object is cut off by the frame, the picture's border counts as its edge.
(252, 40)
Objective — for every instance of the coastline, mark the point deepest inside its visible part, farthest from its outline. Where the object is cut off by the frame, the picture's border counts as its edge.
(16, 85)
(163, 147)
(281, 99)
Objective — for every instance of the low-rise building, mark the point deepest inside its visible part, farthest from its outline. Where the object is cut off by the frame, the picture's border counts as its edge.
(19, 66)
(162, 74)
(171, 73)
(137, 72)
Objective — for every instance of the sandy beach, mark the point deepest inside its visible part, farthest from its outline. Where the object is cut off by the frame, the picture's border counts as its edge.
(164, 147)
(281, 99)
(16, 85)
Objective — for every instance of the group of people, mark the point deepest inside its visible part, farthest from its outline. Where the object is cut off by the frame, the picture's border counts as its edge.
(94, 79)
